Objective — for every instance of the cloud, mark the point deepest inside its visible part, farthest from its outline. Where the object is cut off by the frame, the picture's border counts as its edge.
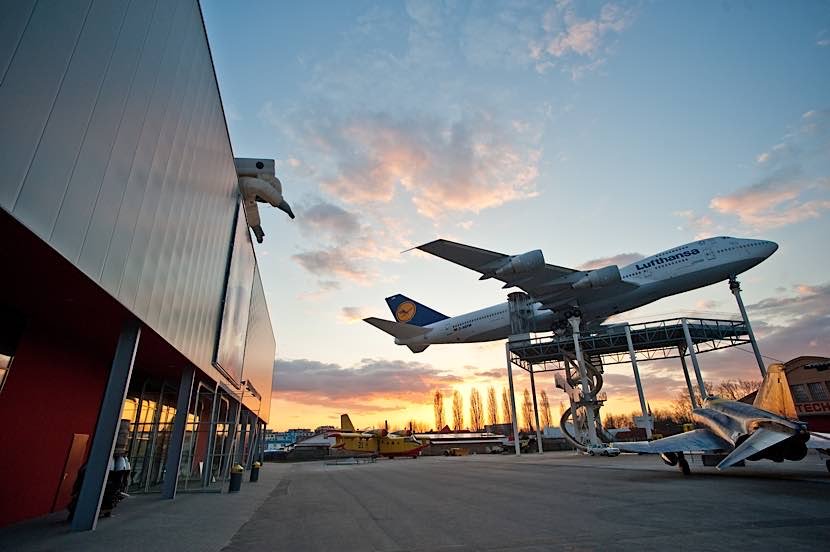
(317, 383)
(809, 301)
(706, 304)
(702, 225)
(331, 262)
(324, 287)
(466, 165)
(573, 38)
(775, 201)
(620, 260)
(793, 186)
(823, 38)
(809, 138)
(329, 219)
(353, 314)
(495, 373)
(341, 244)
(658, 385)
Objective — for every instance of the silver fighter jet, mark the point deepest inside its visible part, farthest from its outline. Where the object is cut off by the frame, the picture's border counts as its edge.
(768, 428)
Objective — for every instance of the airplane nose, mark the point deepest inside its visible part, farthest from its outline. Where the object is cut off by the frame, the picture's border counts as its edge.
(771, 247)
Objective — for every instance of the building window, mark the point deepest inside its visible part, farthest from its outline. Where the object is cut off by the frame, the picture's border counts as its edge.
(800, 394)
(818, 391)
(5, 365)
(11, 328)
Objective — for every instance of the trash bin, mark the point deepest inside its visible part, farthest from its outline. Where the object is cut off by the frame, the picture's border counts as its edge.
(236, 478)
(255, 472)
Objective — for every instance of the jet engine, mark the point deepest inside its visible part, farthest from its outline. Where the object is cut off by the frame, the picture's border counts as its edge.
(520, 264)
(600, 277)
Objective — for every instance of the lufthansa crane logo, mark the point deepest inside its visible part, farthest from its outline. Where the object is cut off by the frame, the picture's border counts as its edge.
(405, 311)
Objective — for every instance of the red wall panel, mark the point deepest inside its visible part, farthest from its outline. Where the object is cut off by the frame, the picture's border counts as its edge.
(53, 391)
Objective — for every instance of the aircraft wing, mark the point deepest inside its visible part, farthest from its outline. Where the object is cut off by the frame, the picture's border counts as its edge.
(819, 441)
(699, 439)
(549, 284)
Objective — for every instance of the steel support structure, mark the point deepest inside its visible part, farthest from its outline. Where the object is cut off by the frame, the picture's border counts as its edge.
(88, 506)
(690, 347)
(686, 375)
(637, 381)
(516, 443)
(536, 412)
(587, 393)
(174, 449)
(735, 288)
(207, 472)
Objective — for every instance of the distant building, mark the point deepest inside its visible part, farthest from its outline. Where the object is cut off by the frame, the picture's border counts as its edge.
(809, 380)
(280, 440)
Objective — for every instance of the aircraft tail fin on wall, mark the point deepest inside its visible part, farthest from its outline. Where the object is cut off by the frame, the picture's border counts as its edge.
(774, 395)
(408, 311)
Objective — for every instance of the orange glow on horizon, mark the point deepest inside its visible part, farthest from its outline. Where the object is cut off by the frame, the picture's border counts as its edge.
(371, 411)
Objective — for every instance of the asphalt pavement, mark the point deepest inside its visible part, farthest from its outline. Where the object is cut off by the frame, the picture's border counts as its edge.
(554, 501)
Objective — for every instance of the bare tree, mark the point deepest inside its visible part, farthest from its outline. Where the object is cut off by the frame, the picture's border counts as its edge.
(735, 390)
(476, 410)
(438, 405)
(505, 405)
(492, 405)
(619, 421)
(417, 426)
(546, 418)
(681, 405)
(527, 409)
(457, 410)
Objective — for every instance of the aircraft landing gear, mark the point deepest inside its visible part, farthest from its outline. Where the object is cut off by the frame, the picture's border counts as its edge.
(560, 326)
(573, 313)
(683, 464)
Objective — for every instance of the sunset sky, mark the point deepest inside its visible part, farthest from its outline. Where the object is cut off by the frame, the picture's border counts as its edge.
(588, 130)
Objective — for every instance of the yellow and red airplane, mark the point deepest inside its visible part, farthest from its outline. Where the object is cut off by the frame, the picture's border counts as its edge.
(378, 442)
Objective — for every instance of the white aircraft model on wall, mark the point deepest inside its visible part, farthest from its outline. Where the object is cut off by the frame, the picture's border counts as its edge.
(559, 293)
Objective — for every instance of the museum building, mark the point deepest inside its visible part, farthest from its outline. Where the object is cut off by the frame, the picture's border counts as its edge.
(133, 319)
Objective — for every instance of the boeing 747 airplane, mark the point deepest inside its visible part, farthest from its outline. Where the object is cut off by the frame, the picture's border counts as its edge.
(561, 293)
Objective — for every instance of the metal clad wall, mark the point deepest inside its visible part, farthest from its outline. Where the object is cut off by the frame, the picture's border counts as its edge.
(115, 152)
(260, 349)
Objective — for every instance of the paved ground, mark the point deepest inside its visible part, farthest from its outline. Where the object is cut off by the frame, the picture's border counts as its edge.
(555, 501)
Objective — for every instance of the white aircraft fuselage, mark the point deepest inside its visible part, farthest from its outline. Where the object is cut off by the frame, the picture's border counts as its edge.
(684, 268)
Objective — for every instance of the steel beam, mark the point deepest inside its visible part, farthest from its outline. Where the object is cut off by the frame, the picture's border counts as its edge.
(632, 353)
(174, 449)
(735, 287)
(88, 506)
(516, 443)
(211, 444)
(686, 375)
(690, 347)
(536, 411)
(586, 386)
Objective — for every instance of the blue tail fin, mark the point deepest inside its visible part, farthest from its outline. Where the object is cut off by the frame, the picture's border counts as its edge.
(408, 311)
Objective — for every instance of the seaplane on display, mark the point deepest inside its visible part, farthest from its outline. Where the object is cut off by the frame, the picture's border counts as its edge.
(560, 293)
(376, 442)
(736, 431)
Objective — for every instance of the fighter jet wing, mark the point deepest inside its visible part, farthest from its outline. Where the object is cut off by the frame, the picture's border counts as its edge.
(819, 441)
(699, 439)
(552, 285)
